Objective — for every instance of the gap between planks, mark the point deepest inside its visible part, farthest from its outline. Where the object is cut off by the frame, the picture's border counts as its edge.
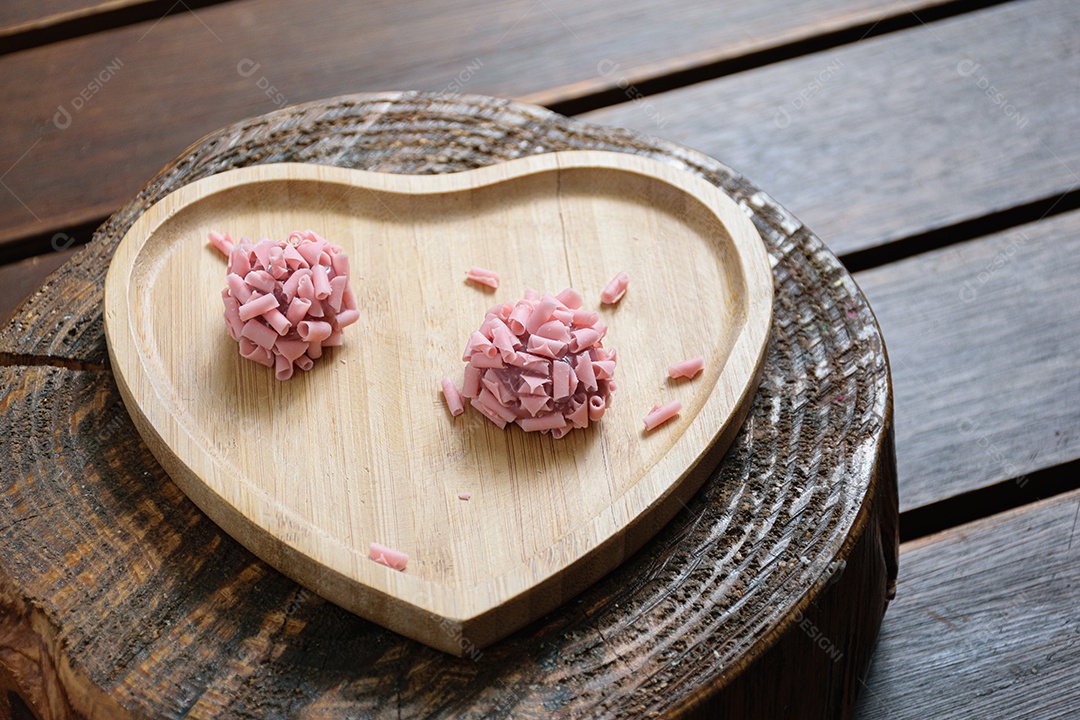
(45, 27)
(566, 101)
(973, 229)
(1004, 496)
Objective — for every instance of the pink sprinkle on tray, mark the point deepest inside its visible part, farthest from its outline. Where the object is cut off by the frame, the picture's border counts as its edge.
(615, 289)
(686, 368)
(660, 414)
(452, 396)
(391, 558)
(540, 363)
(464, 496)
(481, 276)
(286, 300)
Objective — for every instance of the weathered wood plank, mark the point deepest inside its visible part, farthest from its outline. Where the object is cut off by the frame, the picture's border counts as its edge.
(92, 119)
(899, 134)
(984, 622)
(983, 341)
(18, 16)
(26, 24)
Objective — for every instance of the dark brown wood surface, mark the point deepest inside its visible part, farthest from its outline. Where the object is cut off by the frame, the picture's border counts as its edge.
(97, 116)
(906, 119)
(21, 15)
(984, 624)
(157, 612)
(987, 381)
(27, 24)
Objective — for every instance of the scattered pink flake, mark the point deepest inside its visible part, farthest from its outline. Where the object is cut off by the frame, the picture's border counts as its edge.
(540, 363)
(483, 277)
(464, 496)
(223, 243)
(452, 397)
(391, 558)
(687, 368)
(660, 414)
(615, 290)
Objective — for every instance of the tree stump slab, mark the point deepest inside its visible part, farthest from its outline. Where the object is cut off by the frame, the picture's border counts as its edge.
(761, 598)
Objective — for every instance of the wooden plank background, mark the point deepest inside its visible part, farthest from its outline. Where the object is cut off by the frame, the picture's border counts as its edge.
(984, 622)
(22, 15)
(833, 135)
(986, 382)
(30, 23)
(149, 94)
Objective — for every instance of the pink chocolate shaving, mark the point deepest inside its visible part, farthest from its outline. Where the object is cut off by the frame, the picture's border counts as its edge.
(285, 300)
(483, 277)
(615, 289)
(452, 397)
(540, 363)
(224, 243)
(388, 556)
(660, 414)
(686, 368)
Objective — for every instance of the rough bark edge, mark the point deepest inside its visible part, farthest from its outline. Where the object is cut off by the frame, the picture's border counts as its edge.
(872, 557)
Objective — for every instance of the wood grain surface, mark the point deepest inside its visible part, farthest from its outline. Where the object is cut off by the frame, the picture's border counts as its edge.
(987, 386)
(79, 105)
(307, 473)
(992, 93)
(150, 609)
(984, 623)
(21, 15)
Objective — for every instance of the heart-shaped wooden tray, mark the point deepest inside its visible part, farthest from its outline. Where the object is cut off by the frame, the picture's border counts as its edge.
(307, 472)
